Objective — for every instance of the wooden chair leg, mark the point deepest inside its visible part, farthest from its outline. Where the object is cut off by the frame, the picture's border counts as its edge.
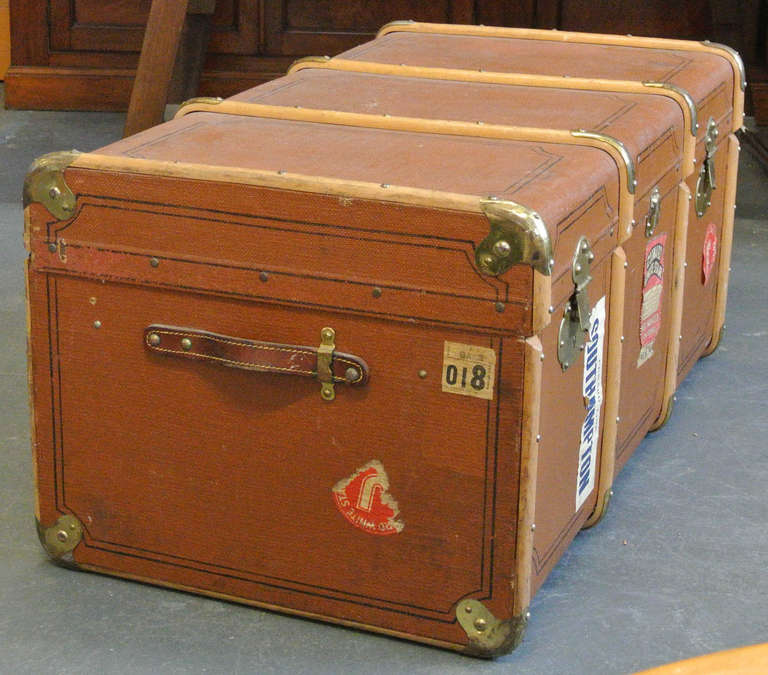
(171, 60)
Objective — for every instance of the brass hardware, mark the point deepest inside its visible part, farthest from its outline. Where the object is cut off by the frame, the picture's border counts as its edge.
(570, 339)
(654, 210)
(186, 344)
(500, 307)
(263, 276)
(61, 538)
(736, 57)
(52, 247)
(154, 339)
(324, 360)
(689, 102)
(97, 324)
(706, 182)
(154, 262)
(617, 145)
(376, 292)
(518, 236)
(202, 100)
(489, 636)
(422, 374)
(45, 184)
(351, 374)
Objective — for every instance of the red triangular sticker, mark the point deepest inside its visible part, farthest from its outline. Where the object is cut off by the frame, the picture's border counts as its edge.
(364, 500)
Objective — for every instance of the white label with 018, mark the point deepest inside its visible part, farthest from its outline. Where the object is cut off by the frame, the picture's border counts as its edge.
(468, 370)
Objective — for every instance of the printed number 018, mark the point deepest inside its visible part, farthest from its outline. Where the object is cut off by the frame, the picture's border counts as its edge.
(477, 381)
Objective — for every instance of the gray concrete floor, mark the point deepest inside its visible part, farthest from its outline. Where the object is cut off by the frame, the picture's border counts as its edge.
(676, 569)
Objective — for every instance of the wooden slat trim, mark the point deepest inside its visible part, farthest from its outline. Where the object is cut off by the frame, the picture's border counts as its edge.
(676, 305)
(726, 242)
(517, 79)
(529, 454)
(588, 38)
(430, 126)
(612, 386)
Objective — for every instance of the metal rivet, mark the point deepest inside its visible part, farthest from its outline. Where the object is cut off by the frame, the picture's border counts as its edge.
(154, 339)
(351, 374)
(538, 437)
(622, 338)
(685, 264)
(376, 292)
(502, 248)
(610, 493)
(533, 527)
(500, 306)
(263, 276)
(493, 198)
(634, 183)
(527, 615)
(480, 624)
(610, 230)
(62, 536)
(690, 197)
(566, 365)
(562, 343)
(542, 357)
(626, 264)
(97, 324)
(54, 193)
(92, 300)
(468, 609)
(618, 419)
(679, 337)
(52, 248)
(478, 122)
(385, 185)
(634, 222)
(551, 309)
(154, 262)
(387, 115)
(280, 172)
(422, 374)
(577, 267)
(551, 262)
(186, 344)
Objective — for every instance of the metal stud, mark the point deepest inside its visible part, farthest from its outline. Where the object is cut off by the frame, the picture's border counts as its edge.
(186, 344)
(551, 309)
(626, 264)
(538, 438)
(618, 419)
(154, 339)
(52, 247)
(502, 248)
(542, 357)
(154, 262)
(533, 527)
(385, 185)
(500, 307)
(62, 536)
(97, 324)
(263, 276)
(685, 264)
(422, 374)
(351, 374)
(622, 338)
(480, 624)
(376, 292)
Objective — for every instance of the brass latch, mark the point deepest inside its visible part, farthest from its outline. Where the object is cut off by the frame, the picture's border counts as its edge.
(654, 211)
(324, 361)
(570, 339)
(706, 182)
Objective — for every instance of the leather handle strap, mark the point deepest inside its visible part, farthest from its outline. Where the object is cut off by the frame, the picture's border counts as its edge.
(265, 357)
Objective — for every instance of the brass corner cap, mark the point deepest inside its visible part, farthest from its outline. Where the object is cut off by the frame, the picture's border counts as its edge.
(45, 184)
(488, 636)
(61, 538)
(517, 235)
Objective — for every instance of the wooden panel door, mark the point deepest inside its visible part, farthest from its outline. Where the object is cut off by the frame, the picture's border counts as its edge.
(299, 27)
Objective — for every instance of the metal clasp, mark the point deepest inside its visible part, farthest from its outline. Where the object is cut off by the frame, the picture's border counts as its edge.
(324, 362)
(706, 182)
(654, 211)
(575, 322)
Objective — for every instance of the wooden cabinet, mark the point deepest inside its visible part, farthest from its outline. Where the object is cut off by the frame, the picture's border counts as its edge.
(81, 54)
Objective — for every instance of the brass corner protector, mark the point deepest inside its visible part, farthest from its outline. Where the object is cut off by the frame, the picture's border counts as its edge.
(45, 184)
(489, 636)
(61, 538)
(518, 236)
(298, 64)
(736, 57)
(601, 508)
(689, 102)
(617, 145)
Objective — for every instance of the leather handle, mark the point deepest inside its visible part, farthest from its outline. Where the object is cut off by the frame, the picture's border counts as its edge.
(265, 357)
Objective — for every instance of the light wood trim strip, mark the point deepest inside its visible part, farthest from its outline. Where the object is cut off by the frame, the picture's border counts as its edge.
(542, 299)
(522, 80)
(529, 457)
(612, 386)
(588, 38)
(726, 242)
(280, 181)
(676, 305)
(430, 126)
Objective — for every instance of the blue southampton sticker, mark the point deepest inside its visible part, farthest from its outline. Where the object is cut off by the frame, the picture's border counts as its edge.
(592, 389)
